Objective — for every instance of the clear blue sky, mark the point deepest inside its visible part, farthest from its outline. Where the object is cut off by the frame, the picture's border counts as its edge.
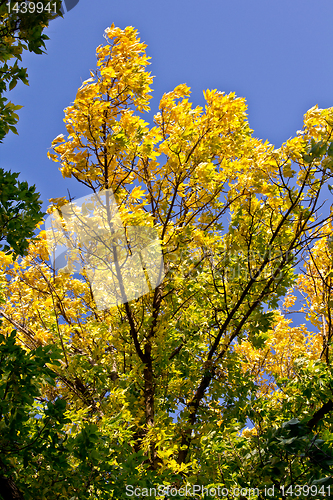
(277, 54)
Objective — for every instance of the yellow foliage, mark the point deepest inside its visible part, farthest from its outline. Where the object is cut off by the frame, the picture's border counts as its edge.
(228, 210)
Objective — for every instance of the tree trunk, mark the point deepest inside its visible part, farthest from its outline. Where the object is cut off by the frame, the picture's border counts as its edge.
(8, 489)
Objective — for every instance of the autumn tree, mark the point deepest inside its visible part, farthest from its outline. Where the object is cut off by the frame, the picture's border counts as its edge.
(169, 378)
(21, 28)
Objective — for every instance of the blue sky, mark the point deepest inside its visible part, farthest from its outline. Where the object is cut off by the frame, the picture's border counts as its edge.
(276, 54)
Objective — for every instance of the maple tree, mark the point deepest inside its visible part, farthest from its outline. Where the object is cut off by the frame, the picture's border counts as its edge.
(158, 389)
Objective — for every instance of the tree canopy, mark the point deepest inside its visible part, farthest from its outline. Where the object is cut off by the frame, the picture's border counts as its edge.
(160, 389)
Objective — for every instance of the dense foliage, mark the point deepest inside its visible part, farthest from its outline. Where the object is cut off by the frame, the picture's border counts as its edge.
(20, 212)
(161, 390)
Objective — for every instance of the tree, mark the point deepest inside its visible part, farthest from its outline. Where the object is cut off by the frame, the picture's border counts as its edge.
(20, 29)
(167, 378)
(39, 457)
(20, 212)
(42, 453)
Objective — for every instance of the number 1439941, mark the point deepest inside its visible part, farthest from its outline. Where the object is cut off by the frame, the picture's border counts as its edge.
(31, 7)
(303, 491)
